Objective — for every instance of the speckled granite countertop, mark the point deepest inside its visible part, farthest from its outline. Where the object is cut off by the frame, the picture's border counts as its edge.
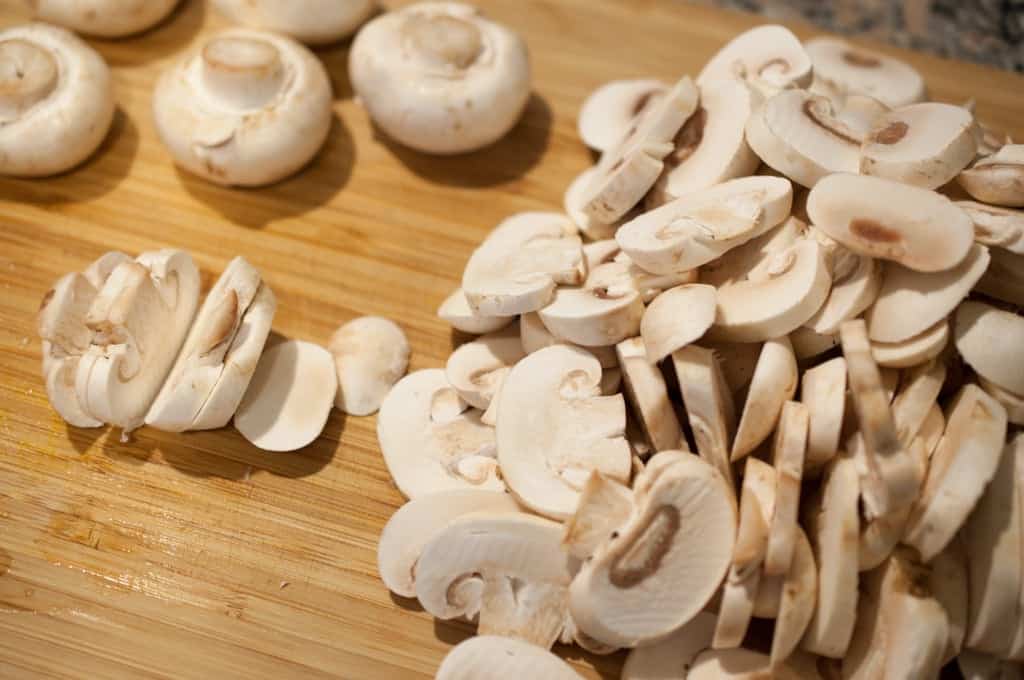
(985, 31)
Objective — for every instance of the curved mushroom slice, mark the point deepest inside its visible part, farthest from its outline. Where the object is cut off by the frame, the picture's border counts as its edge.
(1004, 278)
(370, 354)
(735, 607)
(676, 318)
(980, 666)
(1013, 403)
(554, 428)
(932, 428)
(737, 664)
(516, 268)
(737, 264)
(477, 369)
(856, 281)
(808, 345)
(854, 69)
(645, 388)
(663, 567)
(858, 112)
(799, 594)
(769, 596)
(926, 144)
(456, 311)
(418, 521)
(430, 442)
(609, 111)
(990, 341)
(913, 351)
(604, 311)
(671, 657)
(932, 297)
(769, 57)
(961, 468)
(918, 228)
(916, 399)
(948, 584)
(788, 452)
(773, 384)
(738, 361)
(600, 252)
(997, 179)
(535, 336)
(604, 507)
(574, 201)
(475, 658)
(1000, 227)
(709, 406)
(823, 392)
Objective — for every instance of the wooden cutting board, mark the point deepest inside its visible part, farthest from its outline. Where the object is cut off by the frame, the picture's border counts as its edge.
(198, 556)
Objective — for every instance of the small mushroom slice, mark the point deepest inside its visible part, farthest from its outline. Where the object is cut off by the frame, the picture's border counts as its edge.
(980, 666)
(737, 664)
(662, 567)
(997, 179)
(536, 336)
(769, 57)
(671, 657)
(854, 69)
(916, 398)
(516, 268)
(856, 281)
(554, 428)
(788, 452)
(676, 318)
(600, 252)
(709, 406)
(609, 111)
(645, 388)
(418, 521)
(757, 506)
(430, 442)
(314, 22)
(925, 144)
(990, 341)
(735, 607)
(933, 296)
(1013, 403)
(918, 228)
(477, 369)
(104, 18)
(823, 393)
(999, 227)
(605, 310)
(456, 310)
(476, 657)
(773, 384)
(961, 468)
(913, 351)
(808, 345)
(948, 584)
(932, 428)
(605, 505)
(738, 361)
(737, 264)
(1004, 278)
(371, 354)
(1015, 448)
(797, 603)
(574, 201)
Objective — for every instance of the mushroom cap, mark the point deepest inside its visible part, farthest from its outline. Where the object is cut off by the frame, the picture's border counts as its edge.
(371, 354)
(856, 280)
(536, 336)
(456, 310)
(646, 390)
(245, 108)
(1004, 278)
(997, 179)
(472, 76)
(676, 318)
(993, 226)
(913, 351)
(314, 22)
(774, 383)
(475, 657)
(104, 18)
(56, 100)
(672, 656)
(477, 369)
(516, 268)
(709, 405)
(917, 396)
(431, 442)
(608, 111)
(990, 341)
(605, 310)
(823, 392)
(856, 70)
(769, 57)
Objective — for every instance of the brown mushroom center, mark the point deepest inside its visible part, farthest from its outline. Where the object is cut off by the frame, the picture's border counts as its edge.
(891, 133)
(642, 553)
(861, 60)
(28, 74)
(444, 40)
(874, 231)
(246, 73)
(819, 111)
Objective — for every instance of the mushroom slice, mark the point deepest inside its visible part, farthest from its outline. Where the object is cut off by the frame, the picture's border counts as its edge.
(475, 658)
(676, 318)
(1013, 403)
(418, 521)
(430, 442)
(554, 428)
(56, 100)
(651, 285)
(536, 336)
(859, 112)
(574, 202)
(737, 264)
(104, 18)
(736, 607)
(916, 398)
(608, 111)
(823, 393)
(788, 451)
(757, 506)
(774, 383)
(775, 300)
(913, 351)
(856, 281)
(918, 228)
(1004, 278)
(738, 361)
(989, 340)
(1015, 449)
(477, 369)
(980, 666)
(698, 228)
(245, 108)
(220, 354)
(507, 569)
(645, 388)
(664, 565)
(456, 311)
(604, 507)
(314, 22)
(370, 354)
(605, 310)
(769, 57)
(809, 345)
(933, 296)
(961, 468)
(925, 144)
(737, 664)
(948, 584)
(799, 594)
(516, 268)
(1001, 227)
(709, 406)
(932, 428)
(600, 252)
(671, 657)
(997, 179)
(854, 69)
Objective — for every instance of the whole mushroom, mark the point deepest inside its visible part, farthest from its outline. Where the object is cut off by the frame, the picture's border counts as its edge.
(104, 18)
(314, 22)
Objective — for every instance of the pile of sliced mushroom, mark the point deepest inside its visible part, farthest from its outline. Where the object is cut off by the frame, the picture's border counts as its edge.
(791, 394)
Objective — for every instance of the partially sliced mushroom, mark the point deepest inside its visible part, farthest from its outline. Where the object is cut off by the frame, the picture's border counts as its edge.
(856, 281)
(456, 310)
(854, 69)
(948, 583)
(477, 369)
(913, 351)
(980, 666)
(735, 607)
(516, 268)
(314, 22)
(823, 392)
(773, 384)
(536, 336)
(737, 664)
(769, 57)
(1013, 403)
(605, 310)
(645, 388)
(676, 318)
(709, 405)
(990, 341)
(808, 345)
(997, 179)
(605, 505)
(574, 201)
(672, 657)
(737, 264)
(554, 428)
(797, 603)
(475, 658)
(993, 226)
(608, 111)
(431, 442)
(104, 18)
(788, 452)
(1004, 278)
(757, 506)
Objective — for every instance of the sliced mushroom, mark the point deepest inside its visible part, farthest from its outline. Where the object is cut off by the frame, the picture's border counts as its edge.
(823, 392)
(516, 268)
(1013, 403)
(314, 22)
(605, 310)
(610, 110)
(932, 429)
(475, 658)
(797, 603)
(554, 428)
(788, 452)
(737, 361)
(676, 318)
(997, 179)
(1004, 278)
(918, 228)
(430, 442)
(913, 351)
(371, 354)
(477, 369)
(709, 406)
(600, 252)
(808, 345)
(773, 384)
(737, 264)
(990, 341)
(737, 664)
(651, 285)
(663, 567)
(672, 657)
(757, 506)
(536, 336)
(575, 200)
(645, 388)
(56, 100)
(859, 112)
(999, 227)
(1015, 449)
(856, 281)
(456, 310)
(856, 70)
(104, 18)
(769, 57)
(916, 398)
(980, 666)
(605, 505)
(735, 607)
(948, 584)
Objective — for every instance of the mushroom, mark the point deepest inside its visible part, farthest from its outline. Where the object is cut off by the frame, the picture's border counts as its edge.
(913, 351)
(920, 229)
(220, 354)
(737, 264)
(475, 658)
(554, 428)
(997, 179)
(1013, 403)
(516, 268)
(605, 310)
(948, 584)
(709, 405)
(665, 564)
(418, 521)
(856, 70)
(980, 666)
(856, 281)
(431, 442)
(796, 607)
(600, 252)
(757, 505)
(823, 392)
(990, 341)
(610, 110)
(926, 144)
(1001, 227)
(574, 202)
(737, 664)
(371, 354)
(56, 100)
(962, 466)
(773, 384)
(1004, 278)
(456, 310)
(246, 108)
(932, 428)
(738, 361)
(439, 77)
(314, 22)
(104, 18)
(808, 345)
(477, 369)
(604, 507)
(916, 398)
(645, 388)
(651, 285)
(769, 57)
(788, 452)
(676, 318)
(932, 296)
(535, 336)
(1015, 449)
(735, 607)
(673, 656)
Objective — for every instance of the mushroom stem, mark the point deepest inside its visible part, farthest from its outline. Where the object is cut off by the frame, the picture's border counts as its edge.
(244, 73)
(444, 41)
(28, 74)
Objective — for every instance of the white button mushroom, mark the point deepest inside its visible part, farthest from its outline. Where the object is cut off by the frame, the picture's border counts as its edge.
(104, 18)
(477, 369)
(439, 77)
(990, 341)
(823, 392)
(605, 310)
(314, 22)
(56, 100)
(247, 108)
(370, 354)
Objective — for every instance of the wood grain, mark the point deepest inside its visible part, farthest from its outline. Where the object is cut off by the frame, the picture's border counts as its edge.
(197, 556)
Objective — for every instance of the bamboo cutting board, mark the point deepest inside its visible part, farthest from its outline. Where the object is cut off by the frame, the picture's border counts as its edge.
(198, 556)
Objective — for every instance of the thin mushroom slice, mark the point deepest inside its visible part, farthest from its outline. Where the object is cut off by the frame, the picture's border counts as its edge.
(856, 70)
(997, 179)
(737, 664)
(990, 341)
(477, 369)
(948, 584)
(476, 658)
(314, 22)
(456, 311)
(418, 521)
(370, 354)
(605, 310)
(735, 607)
(663, 567)
(671, 657)
(1015, 449)
(788, 452)
(605, 505)
(823, 393)
(916, 398)
(980, 666)
(535, 336)
(768, 57)
(104, 18)
(676, 318)
(431, 442)
(1004, 278)
(856, 281)
(516, 268)
(738, 361)
(737, 264)
(1013, 403)
(993, 226)
(649, 285)
(797, 602)
(575, 200)
(708, 403)
(808, 345)
(554, 428)
(608, 111)
(757, 506)
(915, 350)
(600, 252)
(918, 228)
(774, 383)
(961, 468)
(646, 391)
(858, 112)
(932, 429)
